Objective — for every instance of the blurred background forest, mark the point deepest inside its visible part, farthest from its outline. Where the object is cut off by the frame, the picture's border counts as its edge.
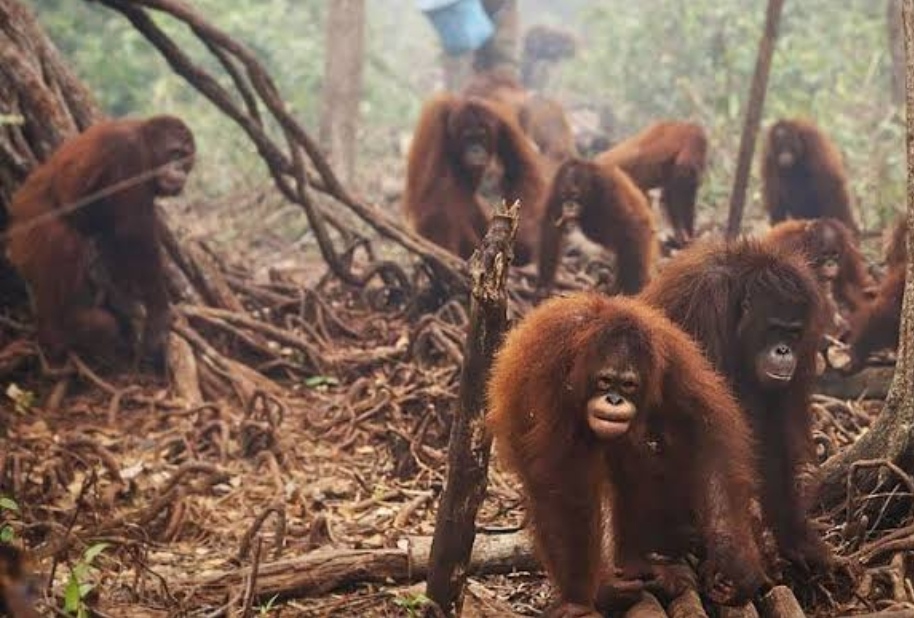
(642, 61)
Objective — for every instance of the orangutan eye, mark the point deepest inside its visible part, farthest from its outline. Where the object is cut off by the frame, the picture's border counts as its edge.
(629, 387)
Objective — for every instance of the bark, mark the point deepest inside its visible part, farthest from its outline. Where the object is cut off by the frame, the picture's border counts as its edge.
(41, 101)
(182, 370)
(319, 572)
(890, 436)
(895, 33)
(470, 443)
(500, 52)
(753, 116)
(342, 90)
(53, 105)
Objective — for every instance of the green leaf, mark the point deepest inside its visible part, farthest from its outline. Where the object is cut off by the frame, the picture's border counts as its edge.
(315, 381)
(80, 571)
(71, 596)
(412, 602)
(7, 534)
(265, 609)
(8, 504)
(94, 551)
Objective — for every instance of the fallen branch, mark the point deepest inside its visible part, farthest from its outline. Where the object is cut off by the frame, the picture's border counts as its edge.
(319, 572)
(252, 330)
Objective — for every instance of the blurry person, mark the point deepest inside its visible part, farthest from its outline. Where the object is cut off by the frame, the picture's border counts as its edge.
(476, 35)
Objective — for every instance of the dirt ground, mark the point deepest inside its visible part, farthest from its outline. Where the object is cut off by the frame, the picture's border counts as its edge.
(352, 458)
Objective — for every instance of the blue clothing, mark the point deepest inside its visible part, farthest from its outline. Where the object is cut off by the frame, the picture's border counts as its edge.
(462, 25)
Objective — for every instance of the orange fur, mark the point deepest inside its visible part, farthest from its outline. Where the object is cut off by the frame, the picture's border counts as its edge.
(613, 212)
(815, 185)
(497, 86)
(875, 326)
(810, 237)
(440, 200)
(683, 463)
(669, 155)
(744, 301)
(544, 120)
(118, 230)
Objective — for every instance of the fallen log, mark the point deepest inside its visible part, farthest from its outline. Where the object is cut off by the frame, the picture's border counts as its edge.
(319, 572)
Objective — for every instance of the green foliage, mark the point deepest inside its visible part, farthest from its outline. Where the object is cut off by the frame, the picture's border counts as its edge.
(8, 506)
(317, 381)
(266, 608)
(78, 584)
(646, 60)
(129, 77)
(412, 603)
(658, 59)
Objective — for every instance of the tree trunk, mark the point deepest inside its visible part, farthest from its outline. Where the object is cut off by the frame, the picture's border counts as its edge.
(344, 57)
(896, 48)
(753, 116)
(890, 436)
(500, 52)
(41, 101)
